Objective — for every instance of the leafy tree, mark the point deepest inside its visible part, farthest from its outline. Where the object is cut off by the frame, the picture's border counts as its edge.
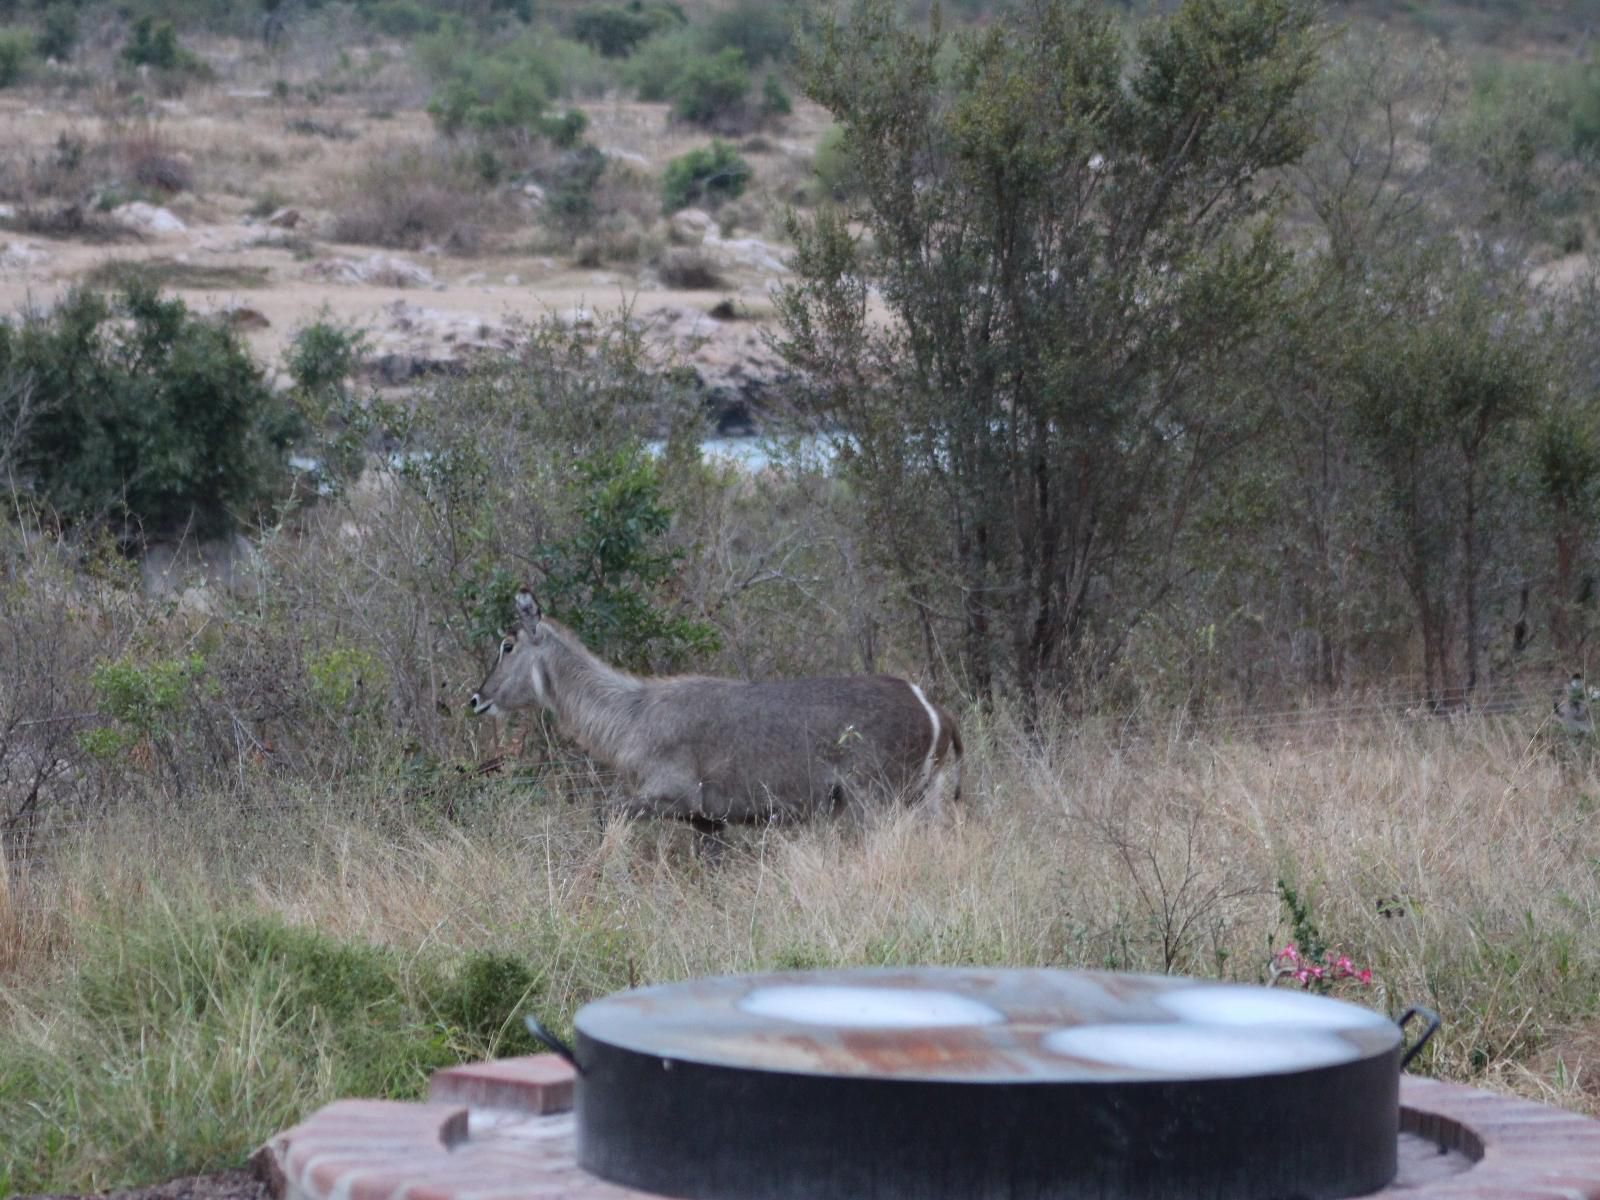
(615, 30)
(58, 32)
(15, 49)
(711, 88)
(155, 44)
(143, 414)
(504, 92)
(705, 175)
(1442, 389)
(1074, 251)
(606, 578)
(760, 31)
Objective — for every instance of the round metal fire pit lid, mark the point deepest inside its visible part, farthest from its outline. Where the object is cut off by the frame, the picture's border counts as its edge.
(968, 1084)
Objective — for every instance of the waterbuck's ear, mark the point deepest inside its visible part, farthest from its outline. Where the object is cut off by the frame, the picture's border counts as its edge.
(527, 610)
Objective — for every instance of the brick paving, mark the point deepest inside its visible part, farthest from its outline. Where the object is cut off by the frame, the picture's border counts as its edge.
(504, 1131)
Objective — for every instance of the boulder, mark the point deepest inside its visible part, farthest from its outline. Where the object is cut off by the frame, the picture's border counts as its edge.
(379, 270)
(147, 218)
(691, 224)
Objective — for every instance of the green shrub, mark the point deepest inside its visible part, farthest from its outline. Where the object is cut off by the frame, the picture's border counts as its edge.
(485, 1001)
(615, 31)
(711, 87)
(569, 195)
(505, 91)
(775, 101)
(15, 48)
(404, 18)
(154, 44)
(758, 29)
(144, 415)
(1583, 108)
(838, 175)
(322, 356)
(656, 65)
(604, 576)
(706, 176)
(58, 32)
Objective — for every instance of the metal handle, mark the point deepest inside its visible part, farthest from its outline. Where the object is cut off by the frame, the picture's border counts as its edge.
(1432, 1021)
(542, 1034)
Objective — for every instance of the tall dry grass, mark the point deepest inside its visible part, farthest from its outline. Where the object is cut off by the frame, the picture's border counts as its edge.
(1460, 862)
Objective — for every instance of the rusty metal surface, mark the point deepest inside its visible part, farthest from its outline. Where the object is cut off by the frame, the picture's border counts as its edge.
(988, 1025)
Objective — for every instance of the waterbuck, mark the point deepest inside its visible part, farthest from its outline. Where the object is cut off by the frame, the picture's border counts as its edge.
(715, 751)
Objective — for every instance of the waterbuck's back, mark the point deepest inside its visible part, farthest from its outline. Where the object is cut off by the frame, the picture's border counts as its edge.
(794, 745)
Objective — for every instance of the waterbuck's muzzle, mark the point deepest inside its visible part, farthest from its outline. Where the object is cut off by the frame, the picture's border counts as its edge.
(480, 705)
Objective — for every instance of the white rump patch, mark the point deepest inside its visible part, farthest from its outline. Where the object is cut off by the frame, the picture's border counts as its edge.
(868, 1007)
(933, 744)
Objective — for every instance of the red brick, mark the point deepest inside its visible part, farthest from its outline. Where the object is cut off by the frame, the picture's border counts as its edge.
(535, 1083)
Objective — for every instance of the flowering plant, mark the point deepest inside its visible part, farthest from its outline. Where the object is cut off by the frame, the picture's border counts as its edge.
(1313, 973)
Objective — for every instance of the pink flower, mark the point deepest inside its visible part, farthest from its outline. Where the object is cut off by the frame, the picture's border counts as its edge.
(1365, 976)
(1289, 953)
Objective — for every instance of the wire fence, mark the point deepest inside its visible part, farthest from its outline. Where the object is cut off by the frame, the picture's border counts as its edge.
(29, 847)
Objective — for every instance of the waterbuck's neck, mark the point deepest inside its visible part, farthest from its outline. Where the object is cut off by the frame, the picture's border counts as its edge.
(594, 701)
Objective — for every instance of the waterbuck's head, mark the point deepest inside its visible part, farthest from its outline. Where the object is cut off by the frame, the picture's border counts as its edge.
(516, 679)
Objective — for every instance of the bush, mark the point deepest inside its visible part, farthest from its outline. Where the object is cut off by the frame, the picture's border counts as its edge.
(603, 577)
(688, 267)
(58, 32)
(154, 44)
(838, 175)
(409, 197)
(505, 92)
(758, 30)
(150, 160)
(404, 18)
(775, 101)
(615, 31)
(705, 176)
(655, 67)
(711, 88)
(144, 415)
(15, 47)
(570, 191)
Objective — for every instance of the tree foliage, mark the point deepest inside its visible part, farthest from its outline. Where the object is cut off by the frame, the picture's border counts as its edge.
(1072, 240)
(141, 414)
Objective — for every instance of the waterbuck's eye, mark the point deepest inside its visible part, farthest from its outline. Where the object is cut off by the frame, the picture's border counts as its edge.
(507, 646)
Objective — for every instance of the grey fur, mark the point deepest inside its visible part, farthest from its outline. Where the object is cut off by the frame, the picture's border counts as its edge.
(722, 750)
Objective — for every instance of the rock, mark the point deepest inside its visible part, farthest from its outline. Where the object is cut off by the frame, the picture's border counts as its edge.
(691, 224)
(148, 218)
(474, 279)
(513, 280)
(18, 256)
(381, 270)
(285, 218)
(534, 193)
(746, 252)
(413, 342)
(7, 212)
(573, 318)
(735, 368)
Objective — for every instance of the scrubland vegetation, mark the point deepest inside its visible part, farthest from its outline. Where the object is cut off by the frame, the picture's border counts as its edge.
(1210, 404)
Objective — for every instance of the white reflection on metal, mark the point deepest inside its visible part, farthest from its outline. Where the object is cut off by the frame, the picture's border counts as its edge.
(1256, 1008)
(1201, 1050)
(868, 1007)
